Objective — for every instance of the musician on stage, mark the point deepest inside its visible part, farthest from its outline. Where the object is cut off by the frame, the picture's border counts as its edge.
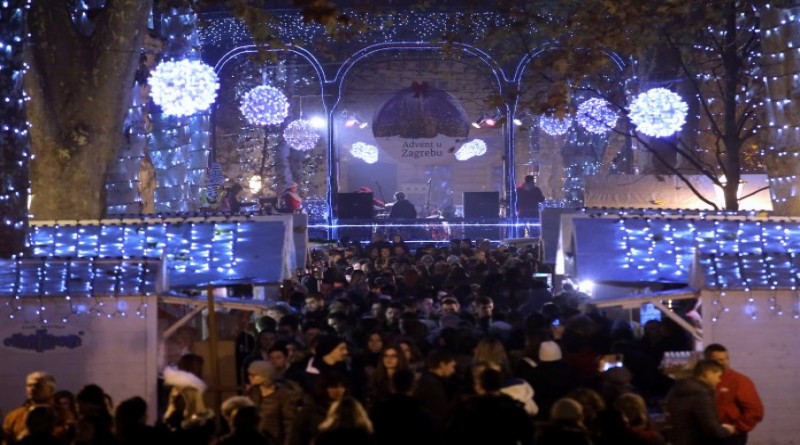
(528, 198)
(402, 208)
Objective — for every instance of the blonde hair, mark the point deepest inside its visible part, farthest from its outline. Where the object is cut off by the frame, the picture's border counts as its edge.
(490, 350)
(346, 414)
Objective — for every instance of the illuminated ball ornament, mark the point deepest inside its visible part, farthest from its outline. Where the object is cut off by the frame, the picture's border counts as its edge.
(301, 135)
(366, 152)
(183, 88)
(555, 126)
(658, 112)
(471, 149)
(596, 116)
(264, 105)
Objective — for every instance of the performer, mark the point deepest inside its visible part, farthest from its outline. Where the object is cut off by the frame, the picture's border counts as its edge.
(528, 199)
(291, 200)
(402, 208)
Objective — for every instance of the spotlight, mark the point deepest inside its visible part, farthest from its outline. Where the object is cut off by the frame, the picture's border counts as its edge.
(318, 122)
(487, 120)
(517, 121)
(353, 120)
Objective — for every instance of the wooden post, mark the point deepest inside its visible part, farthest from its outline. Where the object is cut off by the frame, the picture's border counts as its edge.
(213, 339)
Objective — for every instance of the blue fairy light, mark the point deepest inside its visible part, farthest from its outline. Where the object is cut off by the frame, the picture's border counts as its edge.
(184, 87)
(264, 105)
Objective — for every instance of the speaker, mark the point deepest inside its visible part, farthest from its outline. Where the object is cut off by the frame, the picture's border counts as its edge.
(481, 204)
(354, 206)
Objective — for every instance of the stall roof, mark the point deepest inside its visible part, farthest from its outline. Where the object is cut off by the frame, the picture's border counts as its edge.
(66, 276)
(197, 250)
(660, 248)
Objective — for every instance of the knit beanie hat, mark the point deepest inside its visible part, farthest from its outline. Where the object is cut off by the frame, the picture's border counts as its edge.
(549, 351)
(263, 369)
(326, 344)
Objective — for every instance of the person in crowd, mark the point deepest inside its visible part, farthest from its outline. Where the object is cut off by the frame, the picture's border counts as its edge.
(40, 388)
(402, 208)
(276, 405)
(40, 423)
(392, 359)
(95, 423)
(329, 358)
(245, 429)
(691, 409)
(638, 429)
(393, 414)
(186, 416)
(509, 421)
(315, 409)
(434, 389)
(565, 426)
(738, 402)
(484, 309)
(230, 406)
(529, 196)
(347, 422)
(130, 424)
(291, 201)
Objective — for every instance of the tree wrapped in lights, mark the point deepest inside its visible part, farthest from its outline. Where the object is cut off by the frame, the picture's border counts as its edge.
(366, 152)
(658, 112)
(265, 105)
(555, 126)
(471, 149)
(184, 87)
(301, 135)
(596, 116)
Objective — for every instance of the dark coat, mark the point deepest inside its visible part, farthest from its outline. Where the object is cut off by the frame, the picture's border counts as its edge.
(306, 423)
(489, 419)
(403, 209)
(692, 414)
(345, 437)
(561, 433)
(432, 392)
(393, 416)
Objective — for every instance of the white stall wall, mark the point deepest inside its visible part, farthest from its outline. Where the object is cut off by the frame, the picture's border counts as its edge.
(766, 350)
(118, 353)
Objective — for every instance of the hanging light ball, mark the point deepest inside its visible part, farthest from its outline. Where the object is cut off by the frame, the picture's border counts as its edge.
(555, 126)
(596, 116)
(366, 152)
(183, 87)
(471, 149)
(264, 105)
(301, 135)
(658, 112)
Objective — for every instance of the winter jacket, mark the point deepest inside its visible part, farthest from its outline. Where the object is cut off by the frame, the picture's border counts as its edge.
(692, 414)
(277, 413)
(490, 419)
(738, 402)
(521, 391)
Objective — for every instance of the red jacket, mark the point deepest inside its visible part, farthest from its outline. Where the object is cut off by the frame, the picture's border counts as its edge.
(738, 402)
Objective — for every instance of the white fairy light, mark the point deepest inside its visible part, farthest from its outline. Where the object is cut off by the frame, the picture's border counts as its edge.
(264, 105)
(366, 152)
(555, 126)
(658, 112)
(471, 149)
(301, 135)
(596, 116)
(184, 87)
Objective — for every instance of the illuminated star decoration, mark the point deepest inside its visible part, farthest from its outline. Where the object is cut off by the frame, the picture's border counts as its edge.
(596, 116)
(301, 135)
(183, 88)
(475, 147)
(658, 112)
(366, 152)
(264, 105)
(555, 126)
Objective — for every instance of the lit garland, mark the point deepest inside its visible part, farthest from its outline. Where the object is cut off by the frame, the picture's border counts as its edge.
(265, 105)
(471, 149)
(183, 88)
(366, 152)
(14, 141)
(658, 112)
(596, 116)
(301, 135)
(555, 126)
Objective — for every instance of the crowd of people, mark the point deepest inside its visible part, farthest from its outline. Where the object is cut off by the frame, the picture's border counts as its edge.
(455, 344)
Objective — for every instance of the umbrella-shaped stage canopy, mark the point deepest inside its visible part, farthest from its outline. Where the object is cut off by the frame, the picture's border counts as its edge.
(421, 123)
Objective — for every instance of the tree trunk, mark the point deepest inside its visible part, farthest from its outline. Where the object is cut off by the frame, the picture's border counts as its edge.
(80, 91)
